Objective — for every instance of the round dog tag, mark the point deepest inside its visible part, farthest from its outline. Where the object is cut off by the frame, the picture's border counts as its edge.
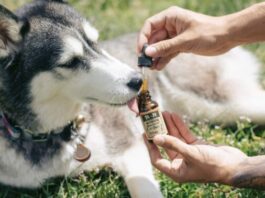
(82, 153)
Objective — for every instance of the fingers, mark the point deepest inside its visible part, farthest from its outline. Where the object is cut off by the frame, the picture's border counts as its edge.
(153, 150)
(171, 169)
(157, 23)
(167, 47)
(142, 39)
(153, 23)
(177, 128)
(174, 144)
(158, 36)
(161, 164)
(162, 62)
(183, 130)
(172, 131)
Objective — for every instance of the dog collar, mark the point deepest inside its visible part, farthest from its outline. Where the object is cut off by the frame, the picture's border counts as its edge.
(16, 132)
(82, 153)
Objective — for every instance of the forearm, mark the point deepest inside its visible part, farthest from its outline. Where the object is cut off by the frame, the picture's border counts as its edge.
(246, 26)
(250, 174)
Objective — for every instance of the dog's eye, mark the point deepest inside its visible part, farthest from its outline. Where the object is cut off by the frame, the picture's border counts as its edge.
(72, 63)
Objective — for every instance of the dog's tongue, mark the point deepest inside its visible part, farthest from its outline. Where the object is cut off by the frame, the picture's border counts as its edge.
(132, 104)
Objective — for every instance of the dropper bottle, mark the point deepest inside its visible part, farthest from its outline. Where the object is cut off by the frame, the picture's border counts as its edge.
(150, 114)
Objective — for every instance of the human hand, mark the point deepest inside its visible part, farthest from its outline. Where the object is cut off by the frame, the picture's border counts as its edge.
(176, 30)
(191, 159)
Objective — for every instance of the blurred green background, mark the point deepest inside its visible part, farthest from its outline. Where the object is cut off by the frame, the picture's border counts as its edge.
(116, 17)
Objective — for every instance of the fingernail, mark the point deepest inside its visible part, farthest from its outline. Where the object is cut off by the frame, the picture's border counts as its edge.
(159, 139)
(150, 51)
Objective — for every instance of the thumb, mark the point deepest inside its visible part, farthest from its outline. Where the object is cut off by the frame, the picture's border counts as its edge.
(165, 48)
(175, 144)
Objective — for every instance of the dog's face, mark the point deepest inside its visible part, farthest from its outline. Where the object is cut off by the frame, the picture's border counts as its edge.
(50, 63)
(54, 53)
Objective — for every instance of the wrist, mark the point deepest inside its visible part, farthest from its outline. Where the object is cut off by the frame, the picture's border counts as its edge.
(250, 174)
(246, 26)
(230, 31)
(232, 171)
(224, 32)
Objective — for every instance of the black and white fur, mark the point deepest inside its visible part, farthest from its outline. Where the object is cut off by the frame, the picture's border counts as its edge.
(52, 70)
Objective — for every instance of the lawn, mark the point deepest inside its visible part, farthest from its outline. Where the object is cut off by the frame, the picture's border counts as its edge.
(116, 17)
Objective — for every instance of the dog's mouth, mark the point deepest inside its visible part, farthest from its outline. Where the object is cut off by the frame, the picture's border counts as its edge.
(132, 104)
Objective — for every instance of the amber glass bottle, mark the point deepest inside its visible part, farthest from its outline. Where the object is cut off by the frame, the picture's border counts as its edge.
(151, 116)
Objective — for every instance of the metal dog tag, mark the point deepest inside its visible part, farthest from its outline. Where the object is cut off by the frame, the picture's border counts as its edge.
(82, 153)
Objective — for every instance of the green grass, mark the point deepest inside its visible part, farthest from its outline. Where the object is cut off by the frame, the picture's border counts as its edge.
(115, 17)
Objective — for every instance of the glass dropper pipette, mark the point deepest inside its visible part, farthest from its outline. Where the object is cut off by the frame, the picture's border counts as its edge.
(144, 62)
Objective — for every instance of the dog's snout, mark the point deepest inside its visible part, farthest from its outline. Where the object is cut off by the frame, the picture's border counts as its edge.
(135, 83)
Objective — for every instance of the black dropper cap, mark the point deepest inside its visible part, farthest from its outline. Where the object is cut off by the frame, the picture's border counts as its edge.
(143, 59)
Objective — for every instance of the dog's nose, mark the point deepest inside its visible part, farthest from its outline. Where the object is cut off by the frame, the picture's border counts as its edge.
(135, 83)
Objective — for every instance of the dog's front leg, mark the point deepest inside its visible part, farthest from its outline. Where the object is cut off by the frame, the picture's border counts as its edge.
(135, 166)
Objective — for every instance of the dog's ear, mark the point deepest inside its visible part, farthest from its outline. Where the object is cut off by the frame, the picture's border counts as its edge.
(12, 31)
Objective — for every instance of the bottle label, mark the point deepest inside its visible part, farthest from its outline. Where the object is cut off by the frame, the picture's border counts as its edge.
(153, 123)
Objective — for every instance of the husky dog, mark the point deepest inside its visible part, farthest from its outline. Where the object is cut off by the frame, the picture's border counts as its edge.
(52, 71)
